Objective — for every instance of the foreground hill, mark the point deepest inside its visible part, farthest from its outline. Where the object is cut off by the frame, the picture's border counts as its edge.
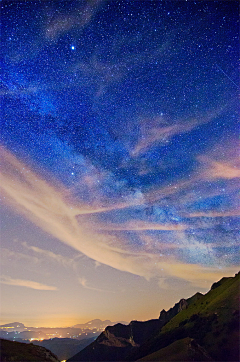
(185, 349)
(200, 328)
(23, 352)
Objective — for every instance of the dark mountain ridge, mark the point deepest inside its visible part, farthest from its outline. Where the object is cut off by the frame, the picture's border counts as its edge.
(203, 327)
(178, 307)
(119, 340)
(23, 352)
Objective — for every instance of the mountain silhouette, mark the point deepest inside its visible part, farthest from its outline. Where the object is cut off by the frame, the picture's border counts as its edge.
(23, 352)
(200, 328)
(97, 323)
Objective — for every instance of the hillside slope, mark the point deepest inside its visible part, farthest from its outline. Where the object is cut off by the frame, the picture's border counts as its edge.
(212, 321)
(23, 352)
(185, 349)
(206, 325)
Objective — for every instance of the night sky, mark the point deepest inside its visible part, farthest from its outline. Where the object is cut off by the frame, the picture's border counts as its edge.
(119, 150)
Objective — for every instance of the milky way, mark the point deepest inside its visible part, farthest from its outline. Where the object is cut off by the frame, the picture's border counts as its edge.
(119, 155)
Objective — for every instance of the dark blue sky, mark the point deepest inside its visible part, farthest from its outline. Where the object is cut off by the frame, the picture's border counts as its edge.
(120, 121)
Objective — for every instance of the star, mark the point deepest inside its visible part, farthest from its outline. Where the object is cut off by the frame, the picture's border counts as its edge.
(119, 145)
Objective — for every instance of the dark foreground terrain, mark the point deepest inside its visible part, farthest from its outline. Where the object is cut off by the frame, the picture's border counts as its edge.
(16, 351)
(200, 328)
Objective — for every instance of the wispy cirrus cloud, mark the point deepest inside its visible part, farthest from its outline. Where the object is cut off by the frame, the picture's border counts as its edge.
(142, 225)
(209, 170)
(15, 256)
(62, 260)
(46, 205)
(83, 282)
(161, 131)
(214, 214)
(219, 169)
(79, 18)
(25, 283)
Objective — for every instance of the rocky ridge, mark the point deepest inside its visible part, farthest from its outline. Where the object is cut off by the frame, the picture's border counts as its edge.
(203, 325)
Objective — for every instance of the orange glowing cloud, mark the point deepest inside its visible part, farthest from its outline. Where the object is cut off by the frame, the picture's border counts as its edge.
(209, 170)
(141, 225)
(220, 169)
(213, 214)
(25, 283)
(45, 205)
(162, 192)
(156, 134)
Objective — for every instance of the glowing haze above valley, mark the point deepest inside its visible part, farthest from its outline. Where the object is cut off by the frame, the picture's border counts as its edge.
(119, 157)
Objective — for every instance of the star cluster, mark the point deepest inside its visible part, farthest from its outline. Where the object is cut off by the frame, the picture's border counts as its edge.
(119, 145)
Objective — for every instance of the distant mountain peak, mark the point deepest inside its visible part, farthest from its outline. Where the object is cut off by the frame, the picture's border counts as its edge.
(14, 324)
(97, 323)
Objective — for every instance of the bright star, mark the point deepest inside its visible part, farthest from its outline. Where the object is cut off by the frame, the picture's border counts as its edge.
(73, 47)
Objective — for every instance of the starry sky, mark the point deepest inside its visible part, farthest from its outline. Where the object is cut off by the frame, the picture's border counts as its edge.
(119, 153)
